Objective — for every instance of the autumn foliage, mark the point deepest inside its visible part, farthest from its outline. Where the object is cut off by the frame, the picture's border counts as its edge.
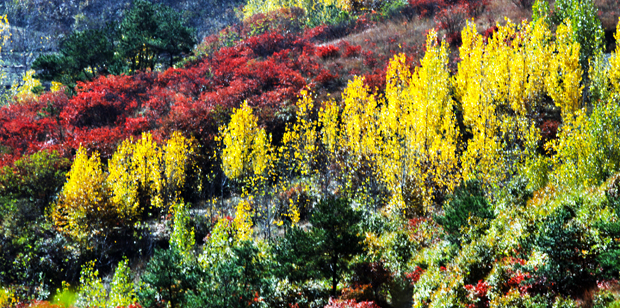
(140, 176)
(286, 169)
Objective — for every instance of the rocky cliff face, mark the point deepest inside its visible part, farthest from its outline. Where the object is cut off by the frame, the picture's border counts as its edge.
(37, 26)
(60, 17)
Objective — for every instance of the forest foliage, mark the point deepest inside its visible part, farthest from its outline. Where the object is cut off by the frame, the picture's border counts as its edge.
(238, 180)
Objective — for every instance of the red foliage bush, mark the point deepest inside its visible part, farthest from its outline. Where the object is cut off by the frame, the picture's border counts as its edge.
(370, 60)
(375, 80)
(479, 294)
(256, 62)
(366, 282)
(39, 304)
(518, 278)
(325, 77)
(427, 7)
(488, 33)
(452, 19)
(414, 276)
(327, 51)
(362, 292)
(351, 51)
(608, 13)
(30, 127)
(549, 130)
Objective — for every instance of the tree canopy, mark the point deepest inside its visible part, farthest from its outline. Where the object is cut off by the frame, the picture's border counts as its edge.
(150, 35)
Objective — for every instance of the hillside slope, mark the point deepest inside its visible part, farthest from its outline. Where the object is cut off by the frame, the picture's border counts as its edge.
(396, 156)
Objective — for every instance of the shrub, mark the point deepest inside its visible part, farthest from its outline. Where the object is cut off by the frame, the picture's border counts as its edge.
(33, 256)
(238, 279)
(38, 176)
(327, 51)
(351, 51)
(333, 303)
(318, 12)
(452, 20)
(427, 7)
(166, 281)
(475, 7)
(609, 12)
(468, 201)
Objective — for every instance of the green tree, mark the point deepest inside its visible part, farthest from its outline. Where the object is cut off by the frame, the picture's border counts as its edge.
(83, 56)
(122, 290)
(236, 281)
(609, 259)
(324, 251)
(27, 256)
(153, 34)
(292, 253)
(337, 237)
(466, 203)
(166, 280)
(148, 35)
(583, 16)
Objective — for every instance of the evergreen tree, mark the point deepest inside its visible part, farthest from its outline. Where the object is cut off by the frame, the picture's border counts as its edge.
(325, 250)
(83, 56)
(153, 34)
(236, 281)
(148, 35)
(167, 279)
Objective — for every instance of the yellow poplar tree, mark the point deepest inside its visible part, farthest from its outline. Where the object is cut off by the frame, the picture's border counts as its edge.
(359, 142)
(142, 174)
(5, 34)
(330, 127)
(247, 158)
(83, 207)
(146, 169)
(121, 180)
(509, 72)
(92, 201)
(177, 158)
(614, 63)
(479, 84)
(298, 148)
(360, 122)
(605, 74)
(247, 148)
(418, 127)
(564, 81)
(23, 92)
(529, 55)
(135, 176)
(432, 106)
(243, 220)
